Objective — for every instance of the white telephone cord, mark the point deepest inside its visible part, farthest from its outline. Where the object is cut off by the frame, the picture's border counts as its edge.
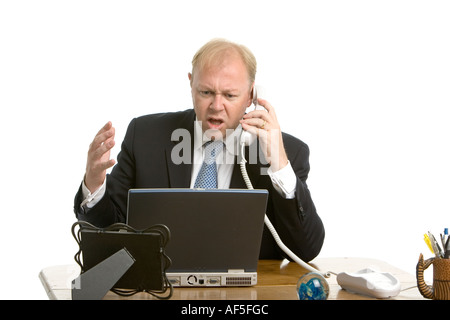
(271, 227)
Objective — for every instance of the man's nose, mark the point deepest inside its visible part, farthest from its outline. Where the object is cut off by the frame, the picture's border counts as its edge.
(217, 103)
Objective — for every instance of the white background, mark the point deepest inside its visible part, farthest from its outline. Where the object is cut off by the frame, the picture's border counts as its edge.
(364, 83)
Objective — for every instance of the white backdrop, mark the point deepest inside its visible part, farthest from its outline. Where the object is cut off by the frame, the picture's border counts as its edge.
(364, 83)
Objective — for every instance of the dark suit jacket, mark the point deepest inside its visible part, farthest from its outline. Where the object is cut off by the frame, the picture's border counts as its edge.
(145, 162)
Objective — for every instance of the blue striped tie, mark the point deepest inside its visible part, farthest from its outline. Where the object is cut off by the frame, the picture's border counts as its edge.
(207, 176)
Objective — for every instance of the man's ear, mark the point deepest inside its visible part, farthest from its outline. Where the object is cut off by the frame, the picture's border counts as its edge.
(252, 94)
(190, 78)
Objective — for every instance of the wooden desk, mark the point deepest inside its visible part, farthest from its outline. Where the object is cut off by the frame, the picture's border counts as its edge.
(277, 280)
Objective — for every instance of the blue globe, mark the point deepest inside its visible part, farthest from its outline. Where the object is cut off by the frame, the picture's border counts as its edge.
(312, 286)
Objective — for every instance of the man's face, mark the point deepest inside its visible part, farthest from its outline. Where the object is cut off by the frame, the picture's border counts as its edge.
(221, 94)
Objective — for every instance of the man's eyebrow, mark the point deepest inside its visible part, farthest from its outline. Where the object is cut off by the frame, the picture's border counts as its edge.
(208, 88)
(203, 86)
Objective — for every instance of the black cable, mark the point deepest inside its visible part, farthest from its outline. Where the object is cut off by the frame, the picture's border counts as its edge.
(160, 229)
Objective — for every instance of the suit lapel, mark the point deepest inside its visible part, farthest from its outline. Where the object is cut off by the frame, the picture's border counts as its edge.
(253, 171)
(180, 174)
(237, 182)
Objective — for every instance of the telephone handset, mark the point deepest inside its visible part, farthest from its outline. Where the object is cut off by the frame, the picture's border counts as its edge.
(246, 139)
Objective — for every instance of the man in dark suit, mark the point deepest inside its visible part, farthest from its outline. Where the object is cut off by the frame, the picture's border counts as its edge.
(166, 151)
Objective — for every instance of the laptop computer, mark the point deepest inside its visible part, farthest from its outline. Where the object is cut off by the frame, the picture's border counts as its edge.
(215, 233)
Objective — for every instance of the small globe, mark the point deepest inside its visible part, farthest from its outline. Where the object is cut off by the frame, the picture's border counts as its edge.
(312, 286)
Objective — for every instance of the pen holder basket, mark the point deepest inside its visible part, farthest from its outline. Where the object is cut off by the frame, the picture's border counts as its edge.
(441, 278)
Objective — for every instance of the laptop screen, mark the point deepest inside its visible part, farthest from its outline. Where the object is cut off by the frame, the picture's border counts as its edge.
(212, 230)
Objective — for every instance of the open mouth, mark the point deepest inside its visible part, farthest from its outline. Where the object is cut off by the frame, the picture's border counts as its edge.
(215, 123)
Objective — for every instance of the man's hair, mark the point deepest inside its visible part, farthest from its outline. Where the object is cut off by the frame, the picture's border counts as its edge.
(214, 51)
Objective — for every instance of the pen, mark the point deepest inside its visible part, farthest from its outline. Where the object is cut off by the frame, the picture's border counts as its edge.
(447, 249)
(436, 248)
(444, 238)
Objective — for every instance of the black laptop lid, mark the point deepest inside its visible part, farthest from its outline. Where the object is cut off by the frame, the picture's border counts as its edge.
(212, 230)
